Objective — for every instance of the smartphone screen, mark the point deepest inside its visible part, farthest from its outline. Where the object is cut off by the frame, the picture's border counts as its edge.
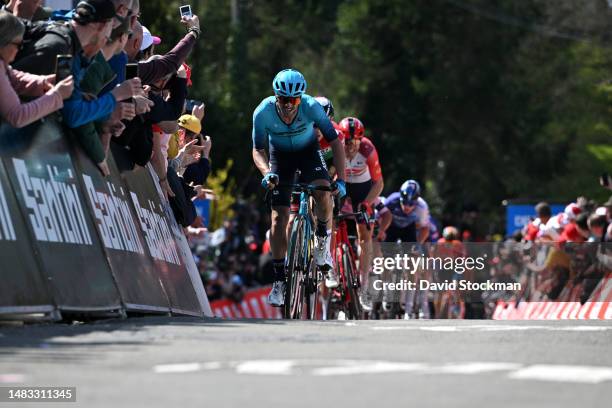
(185, 11)
(190, 104)
(131, 71)
(63, 67)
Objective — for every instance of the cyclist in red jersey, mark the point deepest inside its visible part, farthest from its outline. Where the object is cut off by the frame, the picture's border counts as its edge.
(364, 183)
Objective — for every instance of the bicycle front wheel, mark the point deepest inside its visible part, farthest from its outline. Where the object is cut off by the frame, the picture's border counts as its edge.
(294, 291)
(352, 283)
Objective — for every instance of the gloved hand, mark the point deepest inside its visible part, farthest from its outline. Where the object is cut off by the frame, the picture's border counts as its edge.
(269, 181)
(340, 187)
(365, 206)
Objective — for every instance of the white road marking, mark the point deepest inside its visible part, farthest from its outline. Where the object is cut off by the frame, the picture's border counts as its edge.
(439, 328)
(491, 328)
(269, 367)
(368, 368)
(563, 373)
(327, 368)
(185, 368)
(475, 367)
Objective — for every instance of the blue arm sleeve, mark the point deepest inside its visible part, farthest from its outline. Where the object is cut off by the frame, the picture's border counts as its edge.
(259, 131)
(78, 112)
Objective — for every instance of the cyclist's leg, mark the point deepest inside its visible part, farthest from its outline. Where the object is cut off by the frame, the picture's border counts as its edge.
(281, 164)
(314, 171)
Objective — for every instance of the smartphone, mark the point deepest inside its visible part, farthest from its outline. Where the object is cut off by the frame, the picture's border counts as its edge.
(190, 104)
(185, 11)
(63, 67)
(131, 71)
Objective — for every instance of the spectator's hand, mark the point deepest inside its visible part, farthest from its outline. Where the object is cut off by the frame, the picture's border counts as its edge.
(117, 129)
(124, 111)
(143, 104)
(65, 87)
(165, 187)
(182, 72)
(49, 82)
(205, 145)
(128, 89)
(198, 111)
(203, 192)
(191, 22)
(382, 235)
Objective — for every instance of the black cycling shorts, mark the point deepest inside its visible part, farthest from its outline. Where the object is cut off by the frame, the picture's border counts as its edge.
(358, 192)
(308, 160)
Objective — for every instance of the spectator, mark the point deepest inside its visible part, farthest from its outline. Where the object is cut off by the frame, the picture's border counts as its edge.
(119, 61)
(14, 82)
(598, 225)
(82, 38)
(95, 138)
(149, 41)
(138, 135)
(544, 213)
(154, 69)
(608, 205)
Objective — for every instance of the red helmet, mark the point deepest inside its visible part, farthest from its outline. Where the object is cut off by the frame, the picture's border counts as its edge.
(352, 128)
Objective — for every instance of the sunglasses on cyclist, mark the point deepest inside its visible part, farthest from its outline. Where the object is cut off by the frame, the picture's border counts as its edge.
(293, 100)
(408, 203)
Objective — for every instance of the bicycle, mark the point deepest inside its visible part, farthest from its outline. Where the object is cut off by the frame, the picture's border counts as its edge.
(345, 297)
(303, 276)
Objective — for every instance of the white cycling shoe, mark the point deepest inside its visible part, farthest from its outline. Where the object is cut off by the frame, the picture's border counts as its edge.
(331, 279)
(322, 253)
(276, 297)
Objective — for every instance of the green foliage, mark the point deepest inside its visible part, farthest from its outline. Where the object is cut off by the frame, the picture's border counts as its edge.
(224, 188)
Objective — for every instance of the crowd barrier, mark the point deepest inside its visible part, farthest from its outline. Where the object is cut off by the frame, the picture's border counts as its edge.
(597, 307)
(73, 241)
(254, 305)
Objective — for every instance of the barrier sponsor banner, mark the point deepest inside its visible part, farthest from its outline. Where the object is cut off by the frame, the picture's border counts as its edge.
(184, 252)
(254, 305)
(158, 234)
(121, 237)
(23, 288)
(63, 235)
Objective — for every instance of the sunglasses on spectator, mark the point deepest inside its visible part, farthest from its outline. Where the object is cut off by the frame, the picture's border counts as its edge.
(294, 100)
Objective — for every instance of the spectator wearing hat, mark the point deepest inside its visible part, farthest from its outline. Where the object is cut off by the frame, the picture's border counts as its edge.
(149, 41)
(138, 135)
(152, 70)
(95, 137)
(196, 170)
(82, 38)
(14, 83)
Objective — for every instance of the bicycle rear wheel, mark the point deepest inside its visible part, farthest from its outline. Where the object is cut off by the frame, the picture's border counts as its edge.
(294, 288)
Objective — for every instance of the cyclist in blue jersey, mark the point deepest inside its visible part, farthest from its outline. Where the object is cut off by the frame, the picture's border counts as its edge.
(284, 124)
(405, 216)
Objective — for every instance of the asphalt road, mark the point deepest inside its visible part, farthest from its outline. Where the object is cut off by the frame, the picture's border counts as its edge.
(169, 362)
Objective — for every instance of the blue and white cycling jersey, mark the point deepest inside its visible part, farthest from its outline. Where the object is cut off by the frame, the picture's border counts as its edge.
(269, 128)
(420, 215)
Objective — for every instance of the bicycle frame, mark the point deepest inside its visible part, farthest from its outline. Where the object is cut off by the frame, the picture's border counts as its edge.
(303, 275)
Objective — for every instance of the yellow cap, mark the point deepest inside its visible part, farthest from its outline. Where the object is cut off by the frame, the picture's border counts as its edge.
(190, 123)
